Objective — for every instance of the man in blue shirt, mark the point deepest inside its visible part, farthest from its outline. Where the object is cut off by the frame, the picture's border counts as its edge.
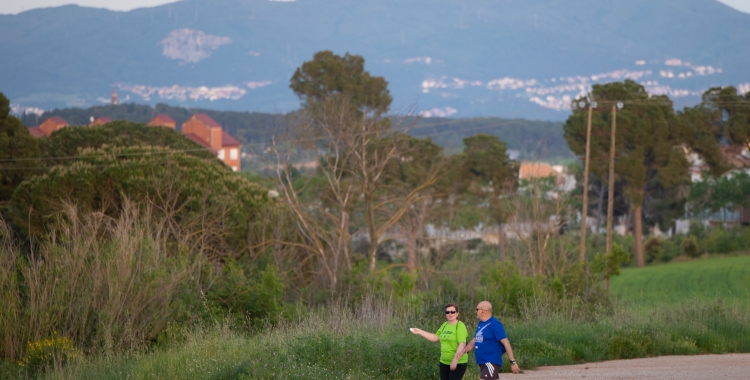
(489, 343)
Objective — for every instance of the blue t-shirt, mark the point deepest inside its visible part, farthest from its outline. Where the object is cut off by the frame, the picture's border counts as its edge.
(487, 346)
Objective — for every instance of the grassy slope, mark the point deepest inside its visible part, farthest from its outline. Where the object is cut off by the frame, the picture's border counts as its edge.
(726, 278)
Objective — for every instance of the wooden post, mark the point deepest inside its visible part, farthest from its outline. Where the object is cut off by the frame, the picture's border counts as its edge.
(611, 194)
(584, 212)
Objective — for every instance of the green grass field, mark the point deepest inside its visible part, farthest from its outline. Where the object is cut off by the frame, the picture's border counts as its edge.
(725, 278)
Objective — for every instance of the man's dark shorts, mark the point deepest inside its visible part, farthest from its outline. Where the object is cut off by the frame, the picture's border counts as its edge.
(489, 371)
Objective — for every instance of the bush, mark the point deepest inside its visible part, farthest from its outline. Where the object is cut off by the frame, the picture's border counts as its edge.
(508, 287)
(67, 142)
(538, 352)
(720, 240)
(654, 249)
(690, 247)
(48, 353)
(628, 345)
(202, 198)
(251, 294)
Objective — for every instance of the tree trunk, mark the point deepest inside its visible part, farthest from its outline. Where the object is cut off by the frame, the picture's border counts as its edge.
(600, 207)
(371, 229)
(411, 247)
(501, 242)
(345, 239)
(639, 236)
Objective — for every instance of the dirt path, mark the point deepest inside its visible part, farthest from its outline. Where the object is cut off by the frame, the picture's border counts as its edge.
(729, 366)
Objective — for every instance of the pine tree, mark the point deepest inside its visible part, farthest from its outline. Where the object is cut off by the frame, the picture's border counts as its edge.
(651, 145)
(19, 151)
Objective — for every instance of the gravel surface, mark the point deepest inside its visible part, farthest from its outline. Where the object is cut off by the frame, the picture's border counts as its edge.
(729, 366)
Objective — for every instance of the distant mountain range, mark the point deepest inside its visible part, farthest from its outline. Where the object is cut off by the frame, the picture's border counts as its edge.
(509, 58)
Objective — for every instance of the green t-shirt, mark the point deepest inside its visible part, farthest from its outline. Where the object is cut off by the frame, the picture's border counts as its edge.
(450, 336)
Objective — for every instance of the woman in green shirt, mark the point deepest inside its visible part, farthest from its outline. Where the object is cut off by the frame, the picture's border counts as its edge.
(452, 336)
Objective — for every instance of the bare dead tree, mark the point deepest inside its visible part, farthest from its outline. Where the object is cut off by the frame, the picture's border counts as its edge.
(539, 214)
(323, 218)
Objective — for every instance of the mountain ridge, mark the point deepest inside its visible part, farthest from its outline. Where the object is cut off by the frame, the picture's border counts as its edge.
(455, 59)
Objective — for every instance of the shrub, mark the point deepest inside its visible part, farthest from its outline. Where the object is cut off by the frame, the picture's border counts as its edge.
(68, 142)
(690, 247)
(671, 248)
(202, 198)
(252, 294)
(47, 353)
(405, 285)
(629, 344)
(654, 248)
(538, 352)
(720, 240)
(508, 287)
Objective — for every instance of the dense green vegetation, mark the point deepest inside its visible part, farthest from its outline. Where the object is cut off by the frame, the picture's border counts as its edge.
(704, 280)
(534, 140)
(18, 151)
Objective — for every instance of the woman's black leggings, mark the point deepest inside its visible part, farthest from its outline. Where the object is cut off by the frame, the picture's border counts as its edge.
(447, 374)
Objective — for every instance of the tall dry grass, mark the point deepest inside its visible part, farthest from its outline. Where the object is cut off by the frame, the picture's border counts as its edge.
(106, 283)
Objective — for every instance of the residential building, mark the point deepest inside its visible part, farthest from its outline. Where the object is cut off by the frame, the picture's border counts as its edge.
(564, 181)
(100, 121)
(163, 120)
(48, 126)
(206, 131)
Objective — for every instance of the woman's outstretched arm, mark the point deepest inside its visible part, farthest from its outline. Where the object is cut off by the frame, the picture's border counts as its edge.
(427, 335)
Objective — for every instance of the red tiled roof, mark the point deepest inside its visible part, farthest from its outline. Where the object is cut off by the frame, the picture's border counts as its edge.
(529, 170)
(36, 132)
(207, 120)
(197, 139)
(101, 121)
(57, 120)
(165, 118)
(228, 140)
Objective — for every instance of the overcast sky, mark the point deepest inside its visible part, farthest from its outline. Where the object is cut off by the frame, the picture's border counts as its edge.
(16, 6)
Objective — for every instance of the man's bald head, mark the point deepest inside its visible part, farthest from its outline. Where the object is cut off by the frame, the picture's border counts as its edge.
(484, 311)
(486, 306)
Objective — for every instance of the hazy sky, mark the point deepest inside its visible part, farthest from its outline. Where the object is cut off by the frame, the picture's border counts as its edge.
(16, 6)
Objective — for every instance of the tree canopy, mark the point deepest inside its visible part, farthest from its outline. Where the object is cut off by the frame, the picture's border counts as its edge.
(58, 148)
(19, 151)
(187, 191)
(329, 75)
(652, 143)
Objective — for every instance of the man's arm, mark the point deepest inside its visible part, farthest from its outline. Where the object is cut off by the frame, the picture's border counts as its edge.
(509, 351)
(469, 347)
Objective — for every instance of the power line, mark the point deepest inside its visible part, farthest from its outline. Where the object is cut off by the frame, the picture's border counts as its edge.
(104, 155)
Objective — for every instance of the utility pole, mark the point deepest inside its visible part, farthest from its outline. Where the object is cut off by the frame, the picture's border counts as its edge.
(584, 212)
(611, 190)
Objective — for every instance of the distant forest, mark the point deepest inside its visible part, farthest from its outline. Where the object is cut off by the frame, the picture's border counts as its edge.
(533, 140)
